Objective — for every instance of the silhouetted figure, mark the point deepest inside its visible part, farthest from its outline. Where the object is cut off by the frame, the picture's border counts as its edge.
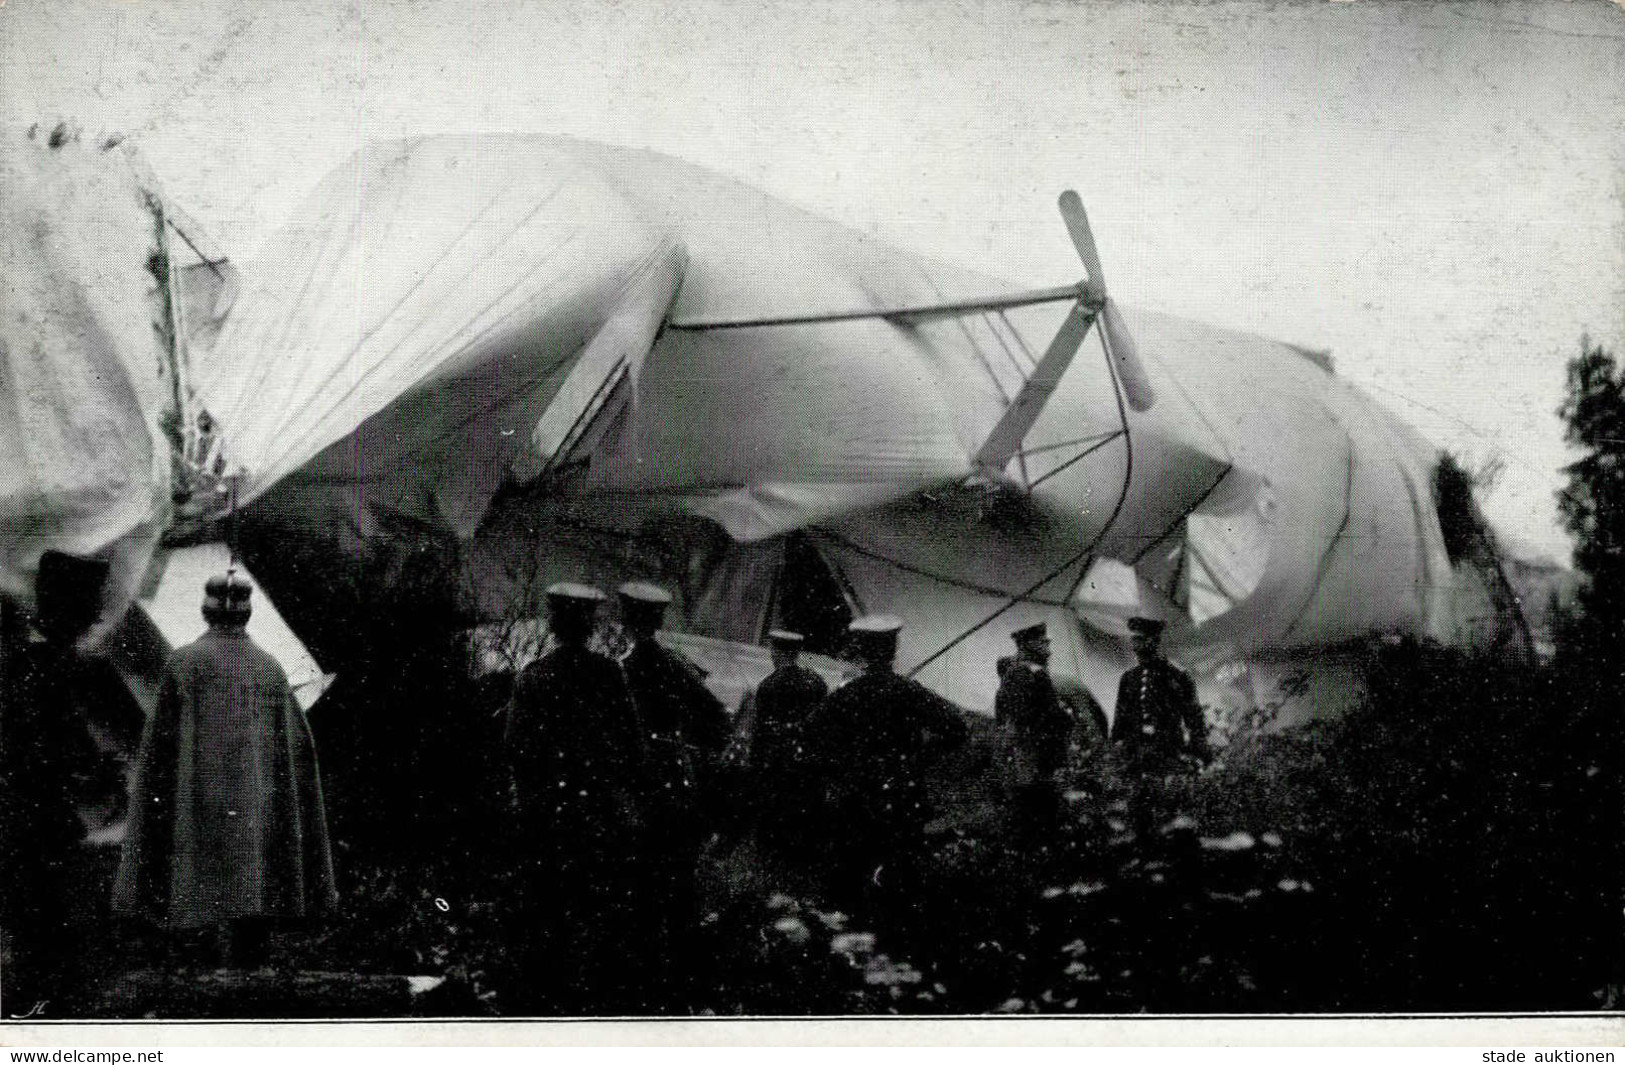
(872, 742)
(770, 744)
(581, 786)
(227, 827)
(46, 756)
(687, 730)
(1159, 733)
(1036, 729)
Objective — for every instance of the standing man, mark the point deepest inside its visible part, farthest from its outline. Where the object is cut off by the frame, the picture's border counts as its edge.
(581, 789)
(770, 742)
(688, 726)
(227, 828)
(1036, 727)
(687, 730)
(46, 754)
(872, 741)
(1159, 727)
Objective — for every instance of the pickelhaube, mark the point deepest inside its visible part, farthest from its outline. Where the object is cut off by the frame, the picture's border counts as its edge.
(227, 596)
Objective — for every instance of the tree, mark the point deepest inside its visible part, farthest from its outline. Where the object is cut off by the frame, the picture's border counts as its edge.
(1593, 639)
(1592, 502)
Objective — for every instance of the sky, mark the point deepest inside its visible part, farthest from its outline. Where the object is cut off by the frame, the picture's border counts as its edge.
(1434, 192)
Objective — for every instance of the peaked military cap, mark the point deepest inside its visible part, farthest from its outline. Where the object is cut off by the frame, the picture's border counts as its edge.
(1146, 626)
(875, 635)
(570, 594)
(643, 605)
(1039, 631)
(876, 625)
(644, 594)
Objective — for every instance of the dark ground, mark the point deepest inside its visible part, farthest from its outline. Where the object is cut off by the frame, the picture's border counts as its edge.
(1451, 845)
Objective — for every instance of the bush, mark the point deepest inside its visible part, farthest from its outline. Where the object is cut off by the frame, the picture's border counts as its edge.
(1436, 849)
(1450, 844)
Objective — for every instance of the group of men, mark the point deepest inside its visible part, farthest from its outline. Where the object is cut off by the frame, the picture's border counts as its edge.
(1158, 730)
(622, 770)
(612, 765)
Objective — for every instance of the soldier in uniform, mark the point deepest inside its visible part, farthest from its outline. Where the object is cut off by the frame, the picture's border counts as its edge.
(227, 828)
(1159, 729)
(1036, 728)
(872, 742)
(688, 727)
(581, 789)
(46, 755)
(769, 742)
(687, 730)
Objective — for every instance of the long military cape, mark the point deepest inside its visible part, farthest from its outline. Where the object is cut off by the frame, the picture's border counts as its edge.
(226, 816)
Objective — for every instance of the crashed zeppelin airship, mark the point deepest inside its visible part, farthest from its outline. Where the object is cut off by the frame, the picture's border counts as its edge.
(591, 362)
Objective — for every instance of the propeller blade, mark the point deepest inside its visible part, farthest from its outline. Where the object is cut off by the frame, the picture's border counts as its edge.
(1125, 355)
(1120, 344)
(1005, 439)
(1077, 226)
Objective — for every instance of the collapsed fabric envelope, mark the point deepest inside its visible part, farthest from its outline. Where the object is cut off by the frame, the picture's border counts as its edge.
(649, 341)
(404, 335)
(105, 300)
(85, 375)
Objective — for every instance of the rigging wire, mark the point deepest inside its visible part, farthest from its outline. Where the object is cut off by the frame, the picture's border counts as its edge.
(1074, 460)
(1173, 527)
(845, 543)
(1086, 555)
(231, 524)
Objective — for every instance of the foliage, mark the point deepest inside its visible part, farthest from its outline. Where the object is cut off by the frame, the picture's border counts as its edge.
(424, 922)
(1453, 500)
(785, 955)
(1589, 635)
(1449, 844)
(1455, 819)
(1436, 849)
(1592, 502)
